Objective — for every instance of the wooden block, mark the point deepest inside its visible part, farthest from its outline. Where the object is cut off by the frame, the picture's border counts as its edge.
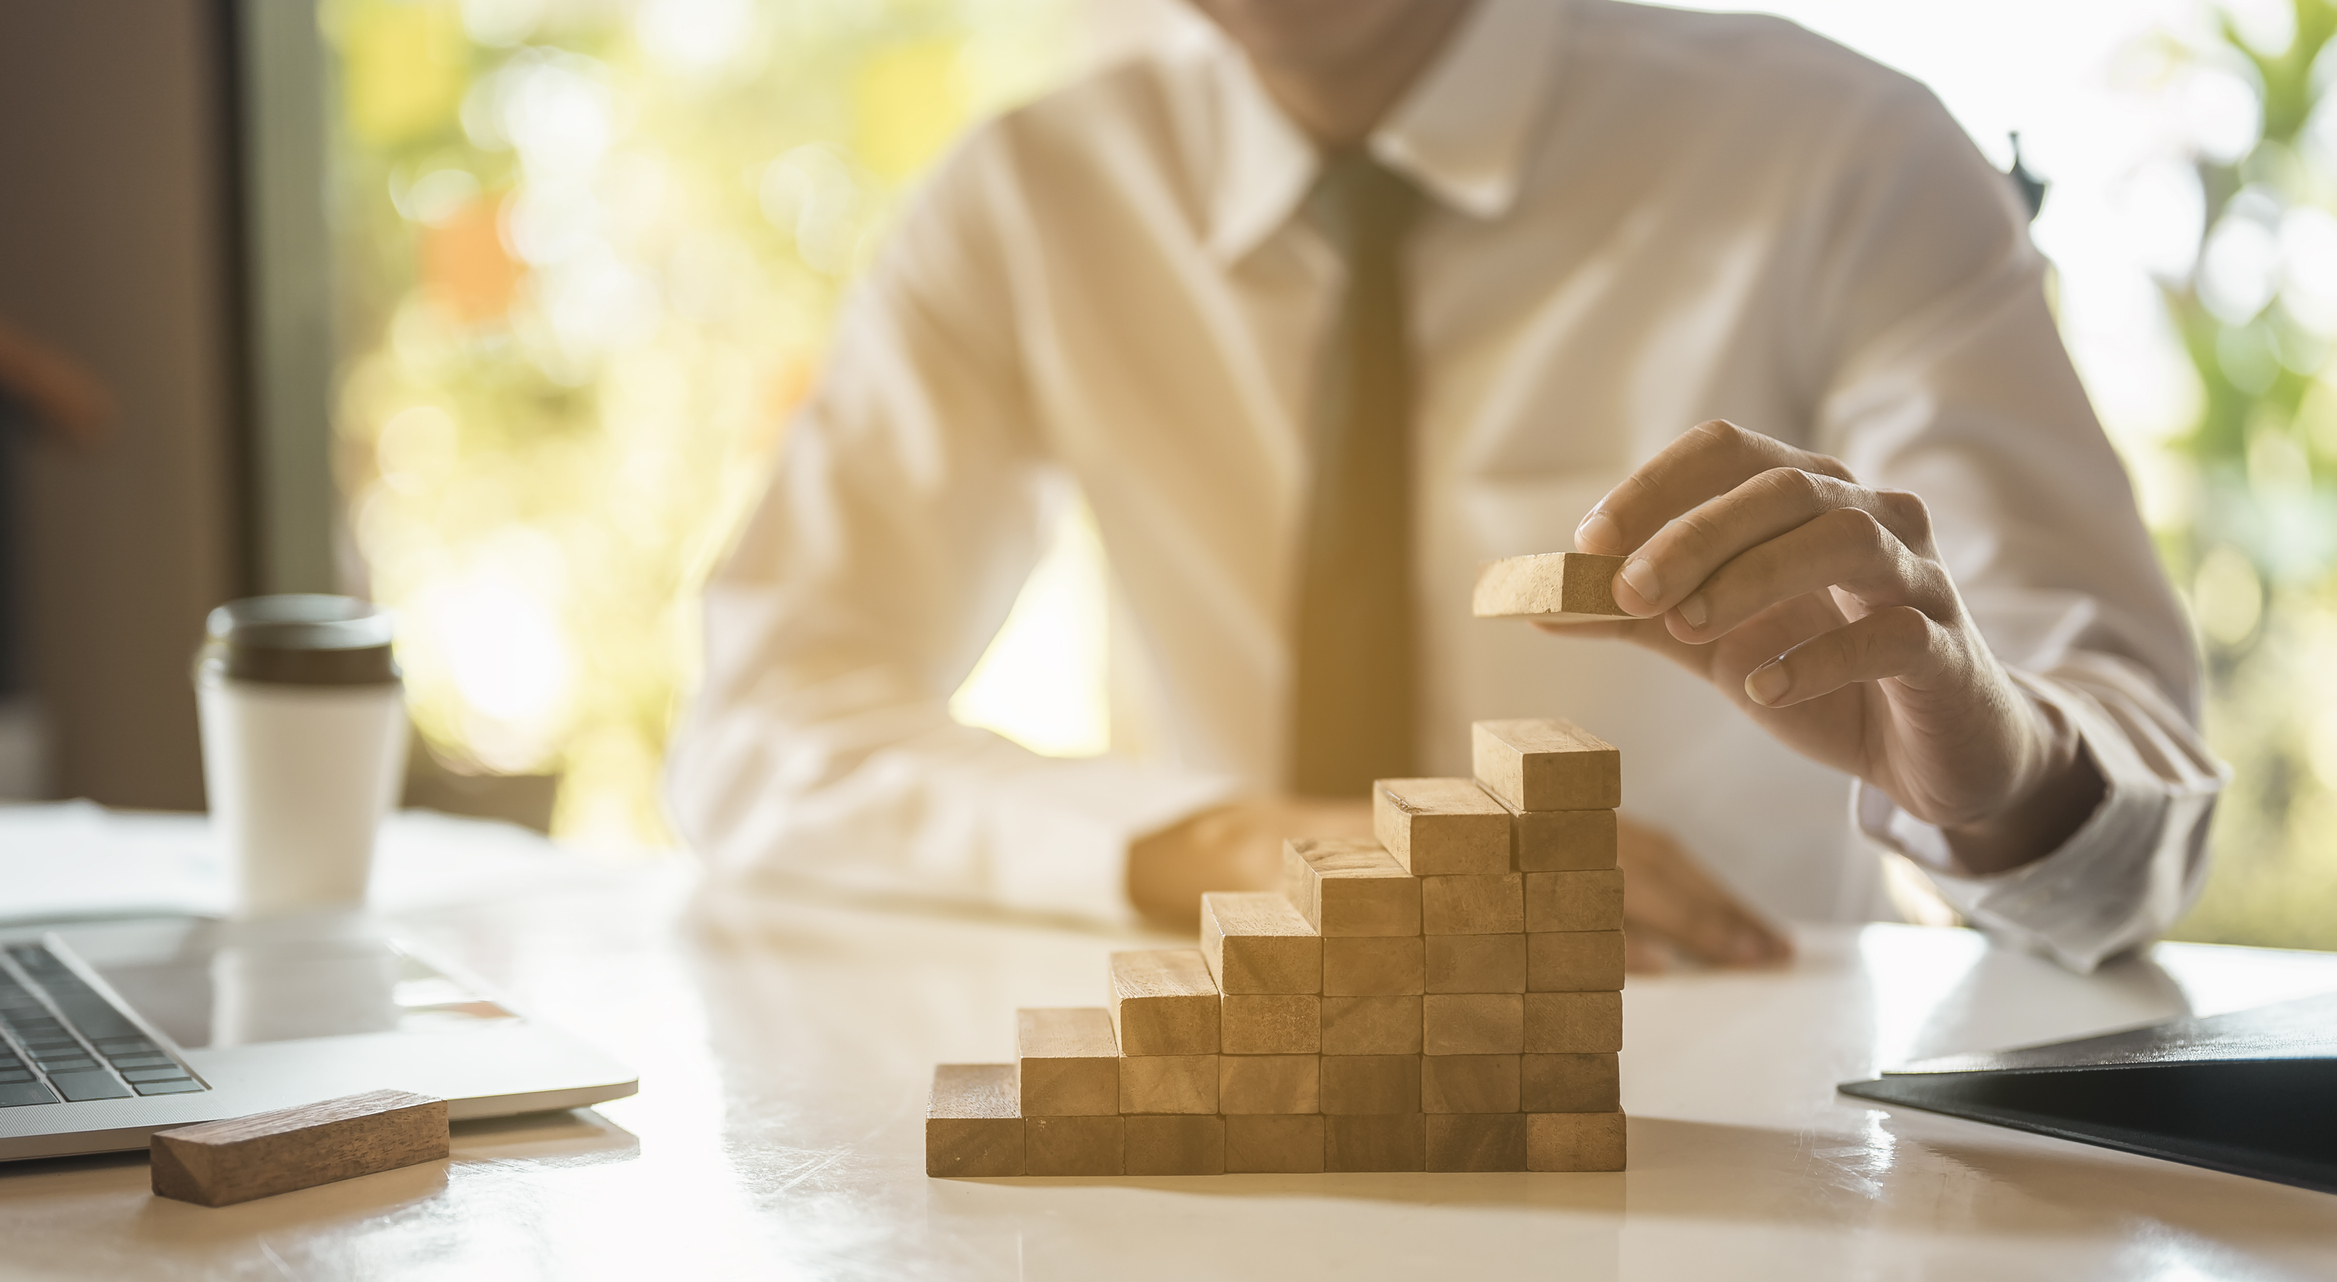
(1375, 1142)
(1370, 1026)
(1075, 1145)
(973, 1122)
(1441, 827)
(1269, 1084)
(1547, 765)
(1258, 943)
(1473, 905)
(1476, 1141)
(1350, 888)
(1575, 1141)
(1474, 1023)
(1569, 1084)
(1175, 1145)
(1469, 1083)
(1069, 1061)
(1371, 1084)
(1164, 1003)
(1476, 964)
(1168, 1084)
(1588, 961)
(1573, 1023)
(1379, 966)
(1574, 901)
(1563, 840)
(1555, 587)
(1272, 1024)
(242, 1158)
(1274, 1142)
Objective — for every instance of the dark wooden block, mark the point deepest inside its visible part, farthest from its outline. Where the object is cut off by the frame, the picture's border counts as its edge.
(1272, 1024)
(1168, 1084)
(1370, 1026)
(1269, 1084)
(1588, 961)
(1572, 1023)
(242, 1158)
(1469, 1083)
(1365, 1084)
(973, 1122)
(1474, 1023)
(1381, 1142)
(1476, 1141)
(1574, 901)
(1564, 840)
(1575, 1141)
(1190, 1145)
(1587, 1083)
(1384, 966)
(1074, 1145)
(1473, 905)
(1476, 964)
(1274, 1142)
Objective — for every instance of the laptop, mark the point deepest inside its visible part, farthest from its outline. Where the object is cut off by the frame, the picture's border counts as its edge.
(110, 1032)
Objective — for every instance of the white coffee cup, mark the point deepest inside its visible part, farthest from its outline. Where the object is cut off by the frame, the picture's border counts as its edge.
(304, 746)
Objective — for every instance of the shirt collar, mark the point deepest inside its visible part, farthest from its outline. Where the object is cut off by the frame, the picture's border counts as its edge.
(1461, 131)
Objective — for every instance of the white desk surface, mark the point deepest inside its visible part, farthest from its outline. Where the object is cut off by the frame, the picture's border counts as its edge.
(785, 1052)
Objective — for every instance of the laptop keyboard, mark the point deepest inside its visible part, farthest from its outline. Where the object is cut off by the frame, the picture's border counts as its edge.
(76, 1045)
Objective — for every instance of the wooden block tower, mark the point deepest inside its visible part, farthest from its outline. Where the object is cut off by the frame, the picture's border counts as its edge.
(1447, 997)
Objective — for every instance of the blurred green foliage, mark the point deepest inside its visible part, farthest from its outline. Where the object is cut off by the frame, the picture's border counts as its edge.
(2257, 548)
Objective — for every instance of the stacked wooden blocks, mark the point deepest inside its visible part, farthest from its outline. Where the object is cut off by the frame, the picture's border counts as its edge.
(1445, 998)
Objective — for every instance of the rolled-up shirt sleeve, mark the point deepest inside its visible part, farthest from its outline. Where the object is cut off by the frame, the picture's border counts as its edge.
(909, 505)
(1943, 374)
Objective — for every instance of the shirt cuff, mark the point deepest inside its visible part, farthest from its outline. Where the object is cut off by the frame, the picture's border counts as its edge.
(2108, 888)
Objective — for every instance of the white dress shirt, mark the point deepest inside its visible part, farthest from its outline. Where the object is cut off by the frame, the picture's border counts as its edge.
(1639, 219)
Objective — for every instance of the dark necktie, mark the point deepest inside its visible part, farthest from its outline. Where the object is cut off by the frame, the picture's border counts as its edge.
(1353, 688)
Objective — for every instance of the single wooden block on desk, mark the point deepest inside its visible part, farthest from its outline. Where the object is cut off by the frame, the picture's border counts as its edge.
(1588, 961)
(1272, 1024)
(1473, 905)
(1375, 1142)
(1347, 888)
(1441, 827)
(1564, 840)
(1164, 1003)
(1569, 1084)
(1378, 966)
(1474, 1023)
(1547, 765)
(1075, 1145)
(1573, 1023)
(1258, 943)
(1557, 587)
(1168, 1084)
(1476, 1141)
(973, 1122)
(242, 1158)
(1175, 1146)
(1476, 964)
(1370, 1026)
(1371, 1084)
(1469, 1083)
(1575, 1141)
(1574, 901)
(1269, 1084)
(1069, 1061)
(1274, 1142)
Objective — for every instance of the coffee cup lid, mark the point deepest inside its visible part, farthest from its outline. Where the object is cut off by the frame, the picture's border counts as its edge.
(300, 638)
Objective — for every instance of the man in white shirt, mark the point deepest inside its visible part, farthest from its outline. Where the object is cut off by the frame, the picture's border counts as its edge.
(1595, 227)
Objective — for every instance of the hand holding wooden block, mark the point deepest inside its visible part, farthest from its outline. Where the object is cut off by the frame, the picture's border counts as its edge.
(1346, 889)
(242, 1158)
(1555, 587)
(1547, 765)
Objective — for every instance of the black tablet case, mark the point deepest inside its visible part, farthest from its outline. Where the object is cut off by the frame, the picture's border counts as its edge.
(2253, 1092)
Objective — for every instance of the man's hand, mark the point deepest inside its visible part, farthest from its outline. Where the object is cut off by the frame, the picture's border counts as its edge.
(1673, 908)
(1821, 607)
(1234, 847)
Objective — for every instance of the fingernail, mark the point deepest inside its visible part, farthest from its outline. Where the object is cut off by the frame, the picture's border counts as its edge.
(1768, 683)
(1695, 610)
(1598, 530)
(1639, 572)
